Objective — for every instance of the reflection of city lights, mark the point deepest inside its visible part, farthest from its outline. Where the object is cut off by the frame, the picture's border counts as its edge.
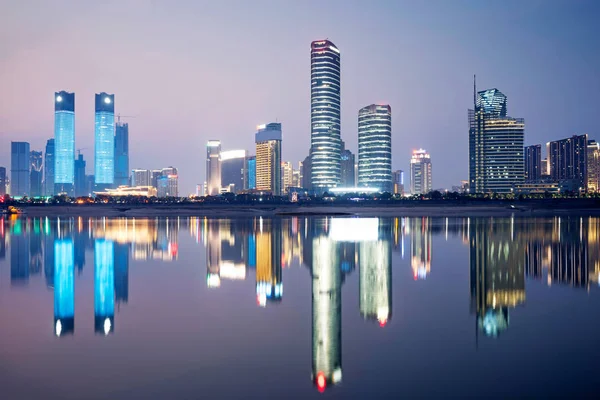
(213, 281)
(354, 229)
(321, 382)
(337, 375)
(58, 327)
(107, 326)
(261, 299)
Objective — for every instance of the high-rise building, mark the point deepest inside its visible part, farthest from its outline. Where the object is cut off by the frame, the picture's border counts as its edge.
(250, 181)
(64, 142)
(49, 165)
(496, 162)
(121, 154)
(36, 173)
(420, 172)
(80, 181)
(19, 169)
(213, 167)
(347, 168)
(306, 173)
(104, 159)
(568, 161)
(3, 180)
(287, 173)
(398, 182)
(141, 177)
(325, 102)
(533, 162)
(593, 166)
(167, 183)
(233, 169)
(268, 158)
(375, 147)
(296, 177)
(154, 175)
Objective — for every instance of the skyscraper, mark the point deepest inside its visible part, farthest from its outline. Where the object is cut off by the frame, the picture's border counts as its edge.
(64, 142)
(375, 147)
(36, 173)
(496, 161)
(347, 168)
(250, 181)
(104, 148)
(287, 172)
(233, 170)
(141, 177)
(398, 182)
(420, 172)
(3, 180)
(19, 169)
(593, 166)
(568, 161)
(307, 173)
(268, 158)
(168, 183)
(80, 181)
(213, 167)
(49, 166)
(325, 102)
(121, 154)
(533, 162)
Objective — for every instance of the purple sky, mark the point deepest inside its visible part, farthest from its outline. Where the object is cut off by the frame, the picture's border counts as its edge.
(190, 71)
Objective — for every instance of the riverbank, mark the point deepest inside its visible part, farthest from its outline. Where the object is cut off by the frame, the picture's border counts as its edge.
(403, 209)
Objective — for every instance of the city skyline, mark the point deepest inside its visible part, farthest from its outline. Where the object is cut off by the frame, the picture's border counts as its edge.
(557, 83)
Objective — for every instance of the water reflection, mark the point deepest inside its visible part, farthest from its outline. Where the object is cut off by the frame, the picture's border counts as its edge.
(503, 253)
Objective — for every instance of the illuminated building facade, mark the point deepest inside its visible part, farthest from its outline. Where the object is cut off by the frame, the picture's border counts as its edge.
(268, 158)
(420, 172)
(496, 161)
(287, 174)
(104, 144)
(325, 106)
(3, 181)
(64, 287)
(121, 154)
(375, 147)
(36, 173)
(213, 167)
(20, 165)
(533, 163)
(347, 168)
(141, 177)
(104, 286)
(250, 181)
(398, 182)
(593, 166)
(568, 160)
(49, 165)
(168, 184)
(233, 170)
(64, 142)
(143, 191)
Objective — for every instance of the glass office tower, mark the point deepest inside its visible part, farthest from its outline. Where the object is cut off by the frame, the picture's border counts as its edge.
(268, 158)
(64, 142)
(325, 100)
(121, 154)
(375, 147)
(104, 161)
(49, 168)
(213, 167)
(19, 169)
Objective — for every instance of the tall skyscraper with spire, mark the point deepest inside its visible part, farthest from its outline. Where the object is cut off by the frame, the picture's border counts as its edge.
(64, 142)
(325, 101)
(496, 161)
(104, 147)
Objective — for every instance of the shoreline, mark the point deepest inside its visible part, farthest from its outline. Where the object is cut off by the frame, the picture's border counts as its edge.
(289, 210)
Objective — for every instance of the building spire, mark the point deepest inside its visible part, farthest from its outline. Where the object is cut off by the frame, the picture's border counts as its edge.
(474, 91)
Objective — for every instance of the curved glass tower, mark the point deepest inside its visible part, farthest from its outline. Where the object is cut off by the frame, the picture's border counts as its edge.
(375, 147)
(325, 140)
(64, 142)
(104, 160)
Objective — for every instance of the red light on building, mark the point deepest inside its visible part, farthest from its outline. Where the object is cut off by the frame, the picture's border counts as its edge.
(321, 382)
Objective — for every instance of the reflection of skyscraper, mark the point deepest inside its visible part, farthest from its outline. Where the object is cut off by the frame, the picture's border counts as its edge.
(213, 254)
(64, 287)
(269, 286)
(19, 253)
(121, 272)
(326, 313)
(497, 273)
(375, 258)
(104, 287)
(420, 247)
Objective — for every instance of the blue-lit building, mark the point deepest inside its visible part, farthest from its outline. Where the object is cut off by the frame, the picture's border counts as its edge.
(121, 154)
(64, 287)
(19, 169)
(64, 142)
(121, 273)
(251, 171)
(49, 165)
(104, 150)
(104, 286)
(325, 103)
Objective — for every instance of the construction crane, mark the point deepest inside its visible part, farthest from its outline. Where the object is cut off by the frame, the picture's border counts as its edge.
(119, 116)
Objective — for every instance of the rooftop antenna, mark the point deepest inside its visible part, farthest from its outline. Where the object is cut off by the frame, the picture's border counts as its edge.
(474, 90)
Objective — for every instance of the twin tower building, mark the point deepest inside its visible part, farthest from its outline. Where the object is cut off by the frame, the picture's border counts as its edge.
(111, 161)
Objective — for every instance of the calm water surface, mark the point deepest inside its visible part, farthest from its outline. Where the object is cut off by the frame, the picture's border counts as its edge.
(299, 308)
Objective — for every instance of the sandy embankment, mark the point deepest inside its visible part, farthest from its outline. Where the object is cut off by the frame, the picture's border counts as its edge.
(226, 211)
